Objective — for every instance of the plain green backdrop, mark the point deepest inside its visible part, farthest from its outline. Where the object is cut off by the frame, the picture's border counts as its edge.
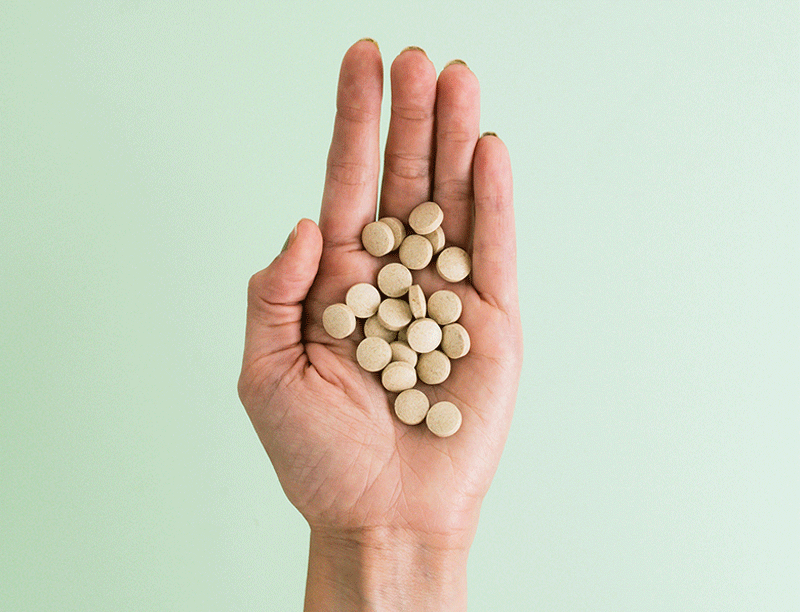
(153, 155)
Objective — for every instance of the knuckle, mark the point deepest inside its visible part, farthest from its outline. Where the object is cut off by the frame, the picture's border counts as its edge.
(458, 131)
(412, 113)
(491, 253)
(458, 136)
(455, 189)
(409, 167)
(349, 173)
(355, 114)
(490, 202)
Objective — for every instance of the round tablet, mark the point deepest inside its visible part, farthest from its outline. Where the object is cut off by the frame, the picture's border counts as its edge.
(443, 419)
(416, 300)
(402, 352)
(363, 299)
(416, 252)
(453, 264)
(436, 238)
(411, 406)
(398, 376)
(377, 238)
(398, 229)
(338, 320)
(373, 328)
(373, 354)
(425, 218)
(394, 314)
(394, 279)
(433, 368)
(455, 341)
(444, 307)
(424, 335)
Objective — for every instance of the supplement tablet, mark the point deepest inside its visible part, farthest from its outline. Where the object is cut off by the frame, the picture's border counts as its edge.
(339, 321)
(455, 341)
(394, 314)
(453, 264)
(377, 238)
(444, 307)
(402, 352)
(398, 229)
(416, 301)
(436, 238)
(425, 218)
(433, 368)
(363, 299)
(443, 419)
(424, 335)
(416, 252)
(398, 376)
(373, 354)
(373, 328)
(411, 406)
(394, 279)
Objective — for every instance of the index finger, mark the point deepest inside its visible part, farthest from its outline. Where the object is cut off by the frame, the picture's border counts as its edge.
(351, 179)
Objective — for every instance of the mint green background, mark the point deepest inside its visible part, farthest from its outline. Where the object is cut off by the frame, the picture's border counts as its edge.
(155, 154)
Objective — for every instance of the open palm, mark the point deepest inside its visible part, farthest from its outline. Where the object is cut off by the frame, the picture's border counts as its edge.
(343, 458)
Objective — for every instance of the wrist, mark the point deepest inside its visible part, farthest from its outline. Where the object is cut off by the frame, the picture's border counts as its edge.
(386, 568)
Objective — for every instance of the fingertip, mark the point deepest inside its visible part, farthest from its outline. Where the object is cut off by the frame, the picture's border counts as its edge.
(364, 50)
(290, 275)
(307, 225)
(413, 48)
(413, 65)
(361, 77)
(492, 139)
(458, 83)
(368, 40)
(308, 238)
(492, 161)
(455, 62)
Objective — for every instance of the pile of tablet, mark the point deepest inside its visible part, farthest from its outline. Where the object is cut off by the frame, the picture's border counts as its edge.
(408, 336)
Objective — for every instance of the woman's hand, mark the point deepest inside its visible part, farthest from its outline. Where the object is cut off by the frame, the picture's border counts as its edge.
(362, 479)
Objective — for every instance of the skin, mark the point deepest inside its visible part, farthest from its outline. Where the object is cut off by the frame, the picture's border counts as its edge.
(392, 509)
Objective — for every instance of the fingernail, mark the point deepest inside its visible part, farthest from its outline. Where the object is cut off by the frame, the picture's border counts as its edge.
(489, 134)
(372, 40)
(414, 48)
(289, 239)
(456, 61)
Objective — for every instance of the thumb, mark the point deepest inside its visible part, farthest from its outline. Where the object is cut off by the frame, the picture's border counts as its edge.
(275, 294)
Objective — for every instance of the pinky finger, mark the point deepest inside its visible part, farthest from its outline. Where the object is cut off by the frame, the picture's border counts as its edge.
(494, 252)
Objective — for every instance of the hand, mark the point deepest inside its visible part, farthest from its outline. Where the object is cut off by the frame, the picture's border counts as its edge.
(355, 472)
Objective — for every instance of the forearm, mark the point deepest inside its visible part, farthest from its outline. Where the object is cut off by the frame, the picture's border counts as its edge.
(385, 570)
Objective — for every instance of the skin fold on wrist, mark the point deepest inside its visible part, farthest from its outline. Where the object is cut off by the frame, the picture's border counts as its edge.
(386, 568)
